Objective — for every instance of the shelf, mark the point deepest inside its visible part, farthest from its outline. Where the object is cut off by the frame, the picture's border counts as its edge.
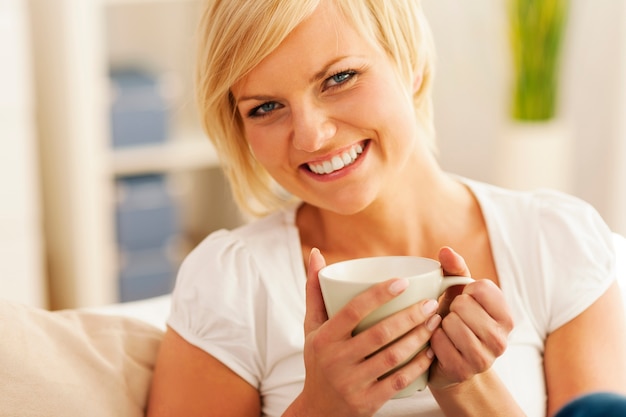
(79, 168)
(167, 157)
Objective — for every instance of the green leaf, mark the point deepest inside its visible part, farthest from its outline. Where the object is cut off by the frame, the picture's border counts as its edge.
(537, 29)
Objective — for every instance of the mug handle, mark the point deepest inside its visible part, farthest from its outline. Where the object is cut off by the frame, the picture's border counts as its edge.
(452, 280)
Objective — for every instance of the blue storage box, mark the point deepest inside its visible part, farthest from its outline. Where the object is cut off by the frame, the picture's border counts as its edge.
(146, 273)
(147, 234)
(139, 113)
(146, 213)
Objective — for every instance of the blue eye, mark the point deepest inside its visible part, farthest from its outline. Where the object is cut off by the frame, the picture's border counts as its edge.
(267, 107)
(264, 109)
(339, 78)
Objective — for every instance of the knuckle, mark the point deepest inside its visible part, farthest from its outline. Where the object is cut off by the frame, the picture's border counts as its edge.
(465, 373)
(318, 343)
(482, 287)
(414, 315)
(500, 343)
(400, 380)
(450, 321)
(380, 334)
(481, 363)
(459, 302)
(392, 358)
(508, 324)
(352, 312)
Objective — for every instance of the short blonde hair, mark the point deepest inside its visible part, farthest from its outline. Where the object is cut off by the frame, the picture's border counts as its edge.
(236, 35)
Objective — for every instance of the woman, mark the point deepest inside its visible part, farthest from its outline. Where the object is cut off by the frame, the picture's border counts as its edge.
(321, 112)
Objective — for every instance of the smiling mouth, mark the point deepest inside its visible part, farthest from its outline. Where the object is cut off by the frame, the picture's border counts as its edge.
(338, 162)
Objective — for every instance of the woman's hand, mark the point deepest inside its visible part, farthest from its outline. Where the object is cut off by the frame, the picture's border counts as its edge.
(474, 330)
(342, 370)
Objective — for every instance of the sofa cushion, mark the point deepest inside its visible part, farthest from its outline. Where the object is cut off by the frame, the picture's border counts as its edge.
(74, 363)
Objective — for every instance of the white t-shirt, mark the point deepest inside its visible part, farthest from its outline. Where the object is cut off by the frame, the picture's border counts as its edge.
(240, 295)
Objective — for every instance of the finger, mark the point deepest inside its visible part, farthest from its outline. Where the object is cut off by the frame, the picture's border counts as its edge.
(473, 316)
(315, 310)
(350, 315)
(396, 338)
(401, 378)
(453, 263)
(410, 321)
(491, 332)
(449, 361)
(491, 299)
(477, 357)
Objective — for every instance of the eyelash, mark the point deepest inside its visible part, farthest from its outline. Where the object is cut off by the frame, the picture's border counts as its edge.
(349, 73)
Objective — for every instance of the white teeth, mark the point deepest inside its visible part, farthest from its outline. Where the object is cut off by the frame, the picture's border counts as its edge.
(338, 161)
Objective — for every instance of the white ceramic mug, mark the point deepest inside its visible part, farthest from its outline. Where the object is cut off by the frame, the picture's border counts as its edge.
(342, 281)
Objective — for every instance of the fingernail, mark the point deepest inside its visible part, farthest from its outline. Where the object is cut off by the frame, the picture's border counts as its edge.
(313, 251)
(398, 286)
(429, 307)
(429, 353)
(433, 322)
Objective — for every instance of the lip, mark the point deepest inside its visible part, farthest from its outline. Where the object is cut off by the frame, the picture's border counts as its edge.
(342, 172)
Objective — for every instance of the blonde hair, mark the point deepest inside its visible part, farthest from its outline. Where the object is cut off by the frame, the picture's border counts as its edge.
(236, 35)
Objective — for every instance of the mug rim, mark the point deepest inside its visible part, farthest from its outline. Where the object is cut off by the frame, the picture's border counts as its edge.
(324, 272)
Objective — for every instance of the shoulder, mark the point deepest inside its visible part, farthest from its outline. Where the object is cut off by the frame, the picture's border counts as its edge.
(224, 283)
(547, 241)
(540, 212)
(242, 251)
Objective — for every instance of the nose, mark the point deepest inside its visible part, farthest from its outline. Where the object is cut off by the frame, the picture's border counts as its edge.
(312, 126)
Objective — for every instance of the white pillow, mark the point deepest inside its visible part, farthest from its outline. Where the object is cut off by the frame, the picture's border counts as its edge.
(154, 310)
(74, 363)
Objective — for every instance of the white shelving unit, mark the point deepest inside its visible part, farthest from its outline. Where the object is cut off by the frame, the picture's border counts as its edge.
(76, 42)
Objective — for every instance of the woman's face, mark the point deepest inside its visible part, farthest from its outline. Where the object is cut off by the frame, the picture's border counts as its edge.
(329, 118)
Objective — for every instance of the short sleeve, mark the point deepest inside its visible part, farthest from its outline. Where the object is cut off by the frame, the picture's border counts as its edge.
(213, 304)
(578, 256)
(619, 242)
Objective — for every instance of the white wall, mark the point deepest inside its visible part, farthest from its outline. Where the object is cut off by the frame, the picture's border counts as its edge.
(470, 83)
(472, 90)
(21, 266)
(618, 205)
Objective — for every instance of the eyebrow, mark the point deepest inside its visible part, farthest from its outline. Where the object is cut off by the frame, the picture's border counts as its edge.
(316, 77)
(255, 98)
(322, 73)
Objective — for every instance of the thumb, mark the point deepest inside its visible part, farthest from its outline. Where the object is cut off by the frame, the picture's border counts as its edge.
(315, 310)
(452, 264)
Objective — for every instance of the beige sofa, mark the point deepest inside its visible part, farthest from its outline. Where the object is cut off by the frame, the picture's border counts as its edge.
(95, 363)
(74, 363)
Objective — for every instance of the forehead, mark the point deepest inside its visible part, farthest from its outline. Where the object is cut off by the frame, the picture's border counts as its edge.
(323, 38)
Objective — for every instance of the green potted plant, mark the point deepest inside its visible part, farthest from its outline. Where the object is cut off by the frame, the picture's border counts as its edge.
(535, 148)
(537, 29)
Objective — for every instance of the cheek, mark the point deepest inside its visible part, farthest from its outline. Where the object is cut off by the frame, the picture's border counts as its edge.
(387, 102)
(266, 146)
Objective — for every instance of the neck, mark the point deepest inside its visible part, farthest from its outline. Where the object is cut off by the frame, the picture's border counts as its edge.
(415, 220)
